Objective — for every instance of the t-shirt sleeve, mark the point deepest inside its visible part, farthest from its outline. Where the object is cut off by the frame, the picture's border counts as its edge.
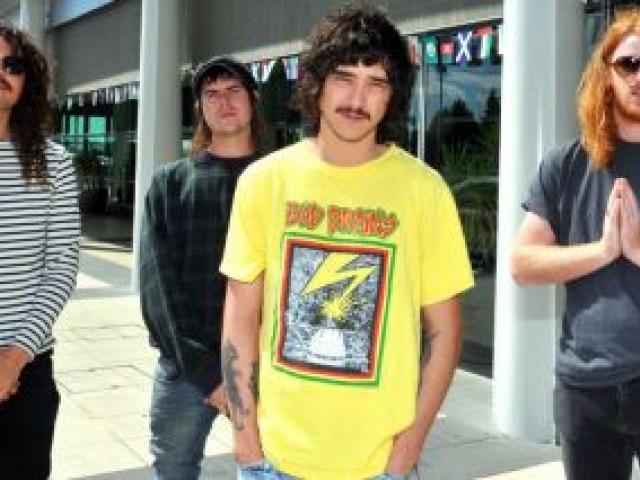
(446, 270)
(245, 248)
(543, 197)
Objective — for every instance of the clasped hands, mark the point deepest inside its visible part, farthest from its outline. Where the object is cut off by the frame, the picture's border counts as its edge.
(621, 225)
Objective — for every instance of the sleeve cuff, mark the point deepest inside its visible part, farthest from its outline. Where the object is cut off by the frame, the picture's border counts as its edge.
(28, 349)
(441, 296)
(245, 274)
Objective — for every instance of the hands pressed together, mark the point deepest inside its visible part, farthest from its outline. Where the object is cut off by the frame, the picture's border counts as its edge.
(621, 226)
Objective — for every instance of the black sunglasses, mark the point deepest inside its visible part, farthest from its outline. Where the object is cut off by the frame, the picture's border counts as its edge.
(626, 65)
(12, 64)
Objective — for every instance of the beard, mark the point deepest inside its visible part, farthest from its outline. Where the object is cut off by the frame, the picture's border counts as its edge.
(627, 112)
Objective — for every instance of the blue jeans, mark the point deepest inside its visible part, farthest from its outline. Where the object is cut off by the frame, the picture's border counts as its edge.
(180, 424)
(261, 471)
(388, 476)
(265, 471)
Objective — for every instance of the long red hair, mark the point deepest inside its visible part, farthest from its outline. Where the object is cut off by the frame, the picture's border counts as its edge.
(595, 94)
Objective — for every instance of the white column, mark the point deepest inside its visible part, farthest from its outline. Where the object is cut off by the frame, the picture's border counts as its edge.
(32, 20)
(159, 104)
(542, 45)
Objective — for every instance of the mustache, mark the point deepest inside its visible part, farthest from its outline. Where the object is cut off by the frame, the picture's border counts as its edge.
(359, 112)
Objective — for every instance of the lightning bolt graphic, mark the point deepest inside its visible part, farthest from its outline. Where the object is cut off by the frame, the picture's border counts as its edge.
(330, 272)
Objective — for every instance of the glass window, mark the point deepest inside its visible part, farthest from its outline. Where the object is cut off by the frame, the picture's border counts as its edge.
(460, 89)
(97, 134)
(99, 130)
(76, 125)
(462, 128)
(282, 123)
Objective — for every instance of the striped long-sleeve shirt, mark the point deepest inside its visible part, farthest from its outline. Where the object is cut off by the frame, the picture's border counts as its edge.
(39, 243)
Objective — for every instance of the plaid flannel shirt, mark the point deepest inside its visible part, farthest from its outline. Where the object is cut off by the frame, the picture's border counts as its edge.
(184, 228)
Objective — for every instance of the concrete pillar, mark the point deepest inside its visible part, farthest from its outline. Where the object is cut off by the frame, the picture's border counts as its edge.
(542, 60)
(159, 104)
(32, 20)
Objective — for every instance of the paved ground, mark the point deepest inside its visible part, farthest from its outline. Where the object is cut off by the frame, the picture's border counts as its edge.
(104, 367)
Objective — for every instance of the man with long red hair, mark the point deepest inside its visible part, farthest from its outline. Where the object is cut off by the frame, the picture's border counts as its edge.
(582, 228)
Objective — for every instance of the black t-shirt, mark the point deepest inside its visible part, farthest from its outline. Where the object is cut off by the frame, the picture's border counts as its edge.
(600, 342)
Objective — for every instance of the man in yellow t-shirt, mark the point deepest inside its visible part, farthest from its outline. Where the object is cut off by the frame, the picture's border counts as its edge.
(344, 257)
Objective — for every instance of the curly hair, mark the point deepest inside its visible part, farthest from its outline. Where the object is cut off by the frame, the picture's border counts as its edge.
(595, 97)
(202, 133)
(351, 35)
(29, 121)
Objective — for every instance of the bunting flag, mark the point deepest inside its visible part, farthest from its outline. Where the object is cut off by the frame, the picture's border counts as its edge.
(267, 67)
(430, 50)
(485, 34)
(464, 44)
(114, 94)
(415, 50)
(446, 52)
(255, 70)
(291, 67)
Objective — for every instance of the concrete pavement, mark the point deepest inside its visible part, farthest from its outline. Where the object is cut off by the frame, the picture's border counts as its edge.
(104, 368)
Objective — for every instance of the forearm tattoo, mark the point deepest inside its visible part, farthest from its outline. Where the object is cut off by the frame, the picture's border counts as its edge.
(253, 381)
(237, 410)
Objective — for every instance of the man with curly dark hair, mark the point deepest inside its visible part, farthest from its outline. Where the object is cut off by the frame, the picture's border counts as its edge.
(39, 243)
(344, 255)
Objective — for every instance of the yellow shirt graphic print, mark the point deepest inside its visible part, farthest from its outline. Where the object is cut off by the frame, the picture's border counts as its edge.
(333, 309)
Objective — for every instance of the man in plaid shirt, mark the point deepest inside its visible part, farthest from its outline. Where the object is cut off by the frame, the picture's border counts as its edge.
(187, 211)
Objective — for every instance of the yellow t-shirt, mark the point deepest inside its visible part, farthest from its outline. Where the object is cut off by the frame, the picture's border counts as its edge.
(350, 254)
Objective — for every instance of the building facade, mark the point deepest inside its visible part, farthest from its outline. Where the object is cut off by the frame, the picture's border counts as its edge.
(122, 71)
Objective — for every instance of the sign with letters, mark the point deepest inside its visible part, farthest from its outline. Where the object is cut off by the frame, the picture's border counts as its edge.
(473, 46)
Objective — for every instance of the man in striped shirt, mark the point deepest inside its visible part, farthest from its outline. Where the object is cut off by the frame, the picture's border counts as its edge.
(39, 237)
